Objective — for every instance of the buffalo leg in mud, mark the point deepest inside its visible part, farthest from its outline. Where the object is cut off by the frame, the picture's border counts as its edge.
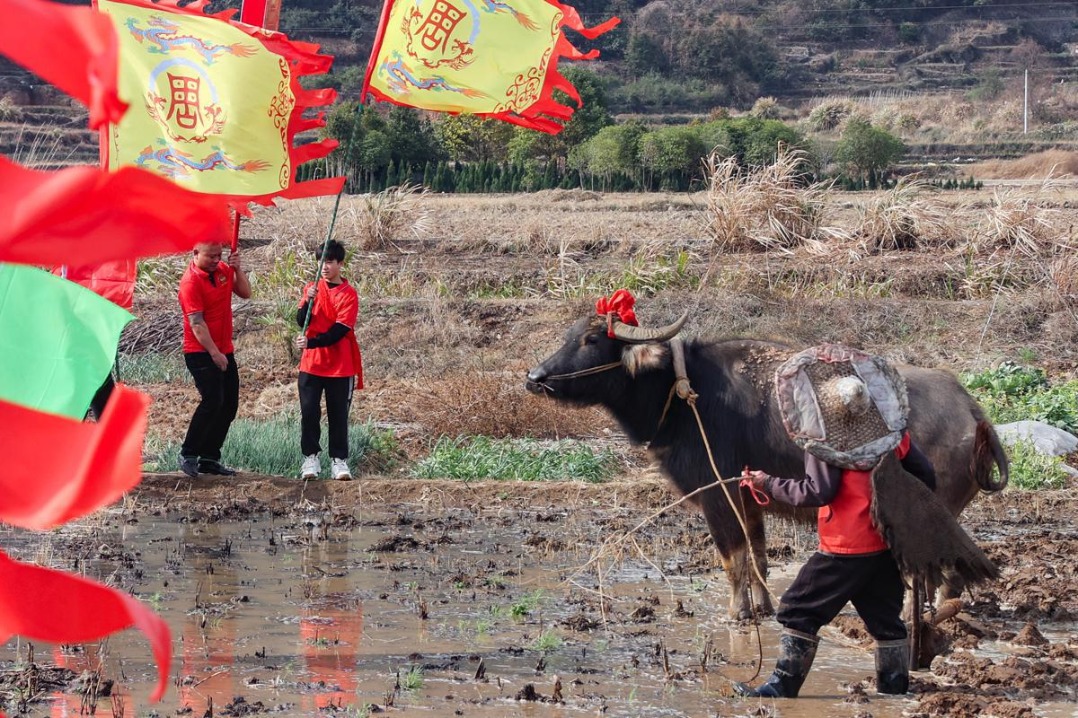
(748, 594)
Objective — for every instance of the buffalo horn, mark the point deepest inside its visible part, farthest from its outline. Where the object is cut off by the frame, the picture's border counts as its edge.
(639, 335)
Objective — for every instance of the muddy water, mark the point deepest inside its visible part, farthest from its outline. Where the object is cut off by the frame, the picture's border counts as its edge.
(466, 612)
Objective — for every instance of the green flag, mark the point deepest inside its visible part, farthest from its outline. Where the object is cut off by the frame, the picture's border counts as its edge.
(57, 340)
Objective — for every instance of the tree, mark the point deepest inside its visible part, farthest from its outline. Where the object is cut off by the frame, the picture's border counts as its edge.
(673, 153)
(411, 137)
(468, 138)
(589, 118)
(611, 152)
(867, 150)
(644, 55)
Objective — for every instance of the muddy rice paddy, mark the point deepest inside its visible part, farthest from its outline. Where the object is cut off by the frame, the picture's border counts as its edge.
(490, 599)
(389, 595)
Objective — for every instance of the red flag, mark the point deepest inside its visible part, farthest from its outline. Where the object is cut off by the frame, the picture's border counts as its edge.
(89, 466)
(86, 215)
(53, 606)
(264, 13)
(73, 48)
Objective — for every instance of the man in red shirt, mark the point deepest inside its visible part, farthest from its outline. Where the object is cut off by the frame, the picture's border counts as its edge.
(206, 290)
(331, 363)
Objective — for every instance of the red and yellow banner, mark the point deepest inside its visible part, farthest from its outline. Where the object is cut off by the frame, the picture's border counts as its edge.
(483, 57)
(215, 105)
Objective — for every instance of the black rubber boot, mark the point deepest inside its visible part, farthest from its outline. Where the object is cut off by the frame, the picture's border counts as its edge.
(797, 650)
(893, 666)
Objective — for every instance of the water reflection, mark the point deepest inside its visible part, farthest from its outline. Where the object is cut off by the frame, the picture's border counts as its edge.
(331, 628)
(208, 638)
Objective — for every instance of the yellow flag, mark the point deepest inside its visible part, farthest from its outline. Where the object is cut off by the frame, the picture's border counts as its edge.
(482, 57)
(215, 105)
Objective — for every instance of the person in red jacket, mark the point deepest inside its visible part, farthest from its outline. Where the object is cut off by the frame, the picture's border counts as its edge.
(115, 281)
(331, 363)
(853, 563)
(206, 290)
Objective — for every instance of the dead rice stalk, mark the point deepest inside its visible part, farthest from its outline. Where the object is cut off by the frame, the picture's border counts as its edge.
(1019, 219)
(904, 217)
(764, 208)
(390, 215)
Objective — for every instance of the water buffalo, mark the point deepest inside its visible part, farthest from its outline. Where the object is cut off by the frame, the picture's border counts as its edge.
(632, 375)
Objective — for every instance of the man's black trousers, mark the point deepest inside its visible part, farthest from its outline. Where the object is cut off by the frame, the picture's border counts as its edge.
(220, 392)
(872, 583)
(338, 391)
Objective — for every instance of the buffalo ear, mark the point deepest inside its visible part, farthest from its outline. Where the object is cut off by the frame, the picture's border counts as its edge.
(642, 357)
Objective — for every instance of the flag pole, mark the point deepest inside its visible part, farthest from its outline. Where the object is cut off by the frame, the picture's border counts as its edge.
(266, 14)
(336, 207)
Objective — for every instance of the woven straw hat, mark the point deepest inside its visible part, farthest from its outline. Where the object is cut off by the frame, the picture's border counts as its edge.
(843, 406)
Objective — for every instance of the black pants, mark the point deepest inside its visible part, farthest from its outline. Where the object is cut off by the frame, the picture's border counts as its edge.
(872, 583)
(220, 392)
(101, 397)
(338, 391)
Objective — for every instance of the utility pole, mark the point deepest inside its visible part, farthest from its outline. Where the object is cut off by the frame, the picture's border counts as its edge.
(1025, 107)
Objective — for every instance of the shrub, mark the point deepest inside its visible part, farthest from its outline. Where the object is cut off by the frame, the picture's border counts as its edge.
(1030, 469)
(909, 33)
(866, 150)
(829, 115)
(272, 447)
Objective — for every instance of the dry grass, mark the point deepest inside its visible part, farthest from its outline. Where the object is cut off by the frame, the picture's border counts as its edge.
(764, 208)
(907, 216)
(1021, 219)
(1063, 273)
(494, 405)
(390, 216)
(1040, 165)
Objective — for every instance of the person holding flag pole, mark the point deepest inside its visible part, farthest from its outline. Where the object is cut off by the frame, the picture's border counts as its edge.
(331, 362)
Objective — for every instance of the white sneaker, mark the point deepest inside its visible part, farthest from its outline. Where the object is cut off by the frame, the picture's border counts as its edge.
(339, 470)
(311, 468)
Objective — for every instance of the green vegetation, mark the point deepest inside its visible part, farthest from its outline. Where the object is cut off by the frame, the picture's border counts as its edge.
(526, 604)
(481, 457)
(547, 641)
(1030, 469)
(152, 368)
(867, 151)
(271, 447)
(412, 680)
(1012, 392)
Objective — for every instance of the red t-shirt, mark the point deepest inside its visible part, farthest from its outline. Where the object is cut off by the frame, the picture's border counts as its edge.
(214, 300)
(333, 305)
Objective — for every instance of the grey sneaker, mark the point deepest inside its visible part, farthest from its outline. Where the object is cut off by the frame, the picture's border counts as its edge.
(311, 467)
(339, 470)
